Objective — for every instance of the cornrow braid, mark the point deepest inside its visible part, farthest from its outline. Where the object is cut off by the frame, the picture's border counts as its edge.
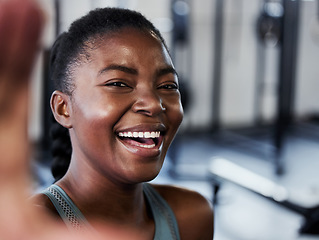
(61, 150)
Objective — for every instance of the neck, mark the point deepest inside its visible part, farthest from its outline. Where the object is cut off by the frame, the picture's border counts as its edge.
(99, 198)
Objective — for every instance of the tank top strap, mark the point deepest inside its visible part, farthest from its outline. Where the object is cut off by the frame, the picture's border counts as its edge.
(166, 226)
(67, 210)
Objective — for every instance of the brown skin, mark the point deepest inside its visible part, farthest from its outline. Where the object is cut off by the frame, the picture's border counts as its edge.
(21, 22)
(129, 84)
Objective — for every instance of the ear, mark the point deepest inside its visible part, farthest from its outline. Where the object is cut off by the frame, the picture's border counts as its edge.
(61, 106)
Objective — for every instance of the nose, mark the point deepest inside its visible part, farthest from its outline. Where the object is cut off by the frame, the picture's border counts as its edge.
(148, 103)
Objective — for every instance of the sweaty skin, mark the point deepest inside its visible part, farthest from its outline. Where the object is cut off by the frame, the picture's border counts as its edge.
(128, 86)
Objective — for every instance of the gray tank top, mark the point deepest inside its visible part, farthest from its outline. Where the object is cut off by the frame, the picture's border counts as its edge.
(166, 227)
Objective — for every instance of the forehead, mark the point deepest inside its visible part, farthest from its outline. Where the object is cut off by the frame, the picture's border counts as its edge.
(129, 46)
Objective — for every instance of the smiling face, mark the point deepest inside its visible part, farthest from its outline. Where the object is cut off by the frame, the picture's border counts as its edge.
(125, 109)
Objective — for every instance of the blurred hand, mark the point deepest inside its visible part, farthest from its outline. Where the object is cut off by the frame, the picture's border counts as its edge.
(21, 23)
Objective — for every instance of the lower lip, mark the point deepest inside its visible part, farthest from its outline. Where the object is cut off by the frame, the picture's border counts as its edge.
(142, 151)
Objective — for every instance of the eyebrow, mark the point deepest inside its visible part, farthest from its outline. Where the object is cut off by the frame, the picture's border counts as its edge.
(119, 68)
(159, 73)
(166, 70)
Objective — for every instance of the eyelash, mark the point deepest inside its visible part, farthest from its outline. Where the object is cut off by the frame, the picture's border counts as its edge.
(116, 84)
(169, 86)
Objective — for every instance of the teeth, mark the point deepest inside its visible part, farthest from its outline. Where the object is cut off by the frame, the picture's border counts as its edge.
(146, 146)
(140, 134)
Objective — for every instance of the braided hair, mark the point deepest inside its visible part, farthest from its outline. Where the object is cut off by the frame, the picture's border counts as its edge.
(70, 50)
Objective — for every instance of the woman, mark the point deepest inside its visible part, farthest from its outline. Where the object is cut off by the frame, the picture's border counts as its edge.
(117, 95)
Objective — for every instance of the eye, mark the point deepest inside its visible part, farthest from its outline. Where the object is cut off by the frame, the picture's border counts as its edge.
(116, 84)
(169, 86)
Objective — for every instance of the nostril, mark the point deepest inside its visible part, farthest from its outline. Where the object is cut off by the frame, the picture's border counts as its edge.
(142, 111)
(149, 107)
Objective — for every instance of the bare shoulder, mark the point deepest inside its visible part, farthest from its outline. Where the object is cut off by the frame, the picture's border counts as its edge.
(194, 213)
(40, 200)
(42, 203)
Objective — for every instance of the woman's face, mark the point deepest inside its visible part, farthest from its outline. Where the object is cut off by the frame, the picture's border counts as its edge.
(126, 107)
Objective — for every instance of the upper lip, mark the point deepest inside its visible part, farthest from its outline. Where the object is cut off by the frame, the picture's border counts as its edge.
(145, 127)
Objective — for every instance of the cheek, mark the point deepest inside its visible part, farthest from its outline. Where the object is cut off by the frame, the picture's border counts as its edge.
(175, 114)
(175, 117)
(95, 119)
(99, 107)
(93, 131)
(103, 119)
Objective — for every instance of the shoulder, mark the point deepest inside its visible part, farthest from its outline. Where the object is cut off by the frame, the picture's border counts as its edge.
(42, 203)
(194, 213)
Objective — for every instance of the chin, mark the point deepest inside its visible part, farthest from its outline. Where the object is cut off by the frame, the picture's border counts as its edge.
(144, 175)
(150, 178)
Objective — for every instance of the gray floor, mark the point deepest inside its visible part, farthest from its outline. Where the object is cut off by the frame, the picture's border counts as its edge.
(239, 213)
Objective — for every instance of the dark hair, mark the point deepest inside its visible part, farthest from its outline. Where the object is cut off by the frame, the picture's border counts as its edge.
(70, 50)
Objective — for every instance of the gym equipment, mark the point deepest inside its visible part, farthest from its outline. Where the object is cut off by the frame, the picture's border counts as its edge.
(221, 170)
(180, 11)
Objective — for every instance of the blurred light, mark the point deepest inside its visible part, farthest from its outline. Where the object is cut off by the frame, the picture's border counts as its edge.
(227, 170)
(274, 9)
(181, 8)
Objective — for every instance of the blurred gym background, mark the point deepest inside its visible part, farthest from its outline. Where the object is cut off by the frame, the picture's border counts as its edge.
(249, 78)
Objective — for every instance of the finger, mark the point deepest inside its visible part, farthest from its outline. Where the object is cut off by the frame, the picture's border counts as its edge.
(21, 22)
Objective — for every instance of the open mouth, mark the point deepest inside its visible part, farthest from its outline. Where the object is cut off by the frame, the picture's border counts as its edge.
(141, 139)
